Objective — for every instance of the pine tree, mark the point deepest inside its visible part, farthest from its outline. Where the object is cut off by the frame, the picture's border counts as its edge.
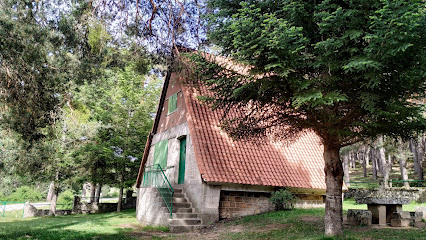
(348, 70)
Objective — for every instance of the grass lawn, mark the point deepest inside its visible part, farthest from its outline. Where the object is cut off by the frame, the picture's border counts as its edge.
(296, 224)
(95, 226)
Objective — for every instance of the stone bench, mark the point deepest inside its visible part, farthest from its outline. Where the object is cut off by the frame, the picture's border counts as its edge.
(405, 219)
(422, 210)
(359, 217)
(382, 208)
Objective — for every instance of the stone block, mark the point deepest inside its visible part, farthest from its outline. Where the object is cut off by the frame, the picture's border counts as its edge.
(401, 219)
(359, 217)
(421, 209)
(416, 216)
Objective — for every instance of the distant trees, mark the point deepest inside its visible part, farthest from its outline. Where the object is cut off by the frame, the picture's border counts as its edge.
(76, 103)
(383, 154)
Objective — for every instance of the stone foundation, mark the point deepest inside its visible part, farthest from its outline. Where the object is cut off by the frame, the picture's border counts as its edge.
(309, 201)
(235, 204)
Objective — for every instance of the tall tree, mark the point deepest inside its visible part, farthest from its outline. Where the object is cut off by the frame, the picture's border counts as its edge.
(347, 70)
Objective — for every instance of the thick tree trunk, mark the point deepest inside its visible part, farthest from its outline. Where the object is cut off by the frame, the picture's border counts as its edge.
(92, 192)
(54, 200)
(120, 200)
(346, 170)
(98, 192)
(50, 192)
(402, 165)
(334, 180)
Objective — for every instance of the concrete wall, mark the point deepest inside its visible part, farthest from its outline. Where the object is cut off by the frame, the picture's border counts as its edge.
(148, 208)
(204, 198)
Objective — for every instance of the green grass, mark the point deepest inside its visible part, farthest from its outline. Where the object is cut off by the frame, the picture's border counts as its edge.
(94, 226)
(296, 224)
(309, 224)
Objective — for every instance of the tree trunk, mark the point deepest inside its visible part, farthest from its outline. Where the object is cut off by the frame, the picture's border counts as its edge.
(98, 192)
(83, 191)
(365, 163)
(383, 163)
(334, 180)
(120, 200)
(54, 200)
(346, 170)
(414, 152)
(374, 162)
(92, 192)
(50, 192)
(402, 165)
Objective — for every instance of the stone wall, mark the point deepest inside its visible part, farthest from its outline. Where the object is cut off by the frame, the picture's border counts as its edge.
(413, 194)
(80, 207)
(31, 211)
(238, 203)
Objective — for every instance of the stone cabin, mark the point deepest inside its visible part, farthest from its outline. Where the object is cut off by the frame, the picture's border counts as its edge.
(214, 177)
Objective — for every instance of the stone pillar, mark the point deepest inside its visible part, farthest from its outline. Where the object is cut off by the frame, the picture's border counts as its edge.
(378, 214)
(392, 209)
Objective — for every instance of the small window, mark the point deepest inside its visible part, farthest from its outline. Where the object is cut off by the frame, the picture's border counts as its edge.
(172, 103)
(160, 153)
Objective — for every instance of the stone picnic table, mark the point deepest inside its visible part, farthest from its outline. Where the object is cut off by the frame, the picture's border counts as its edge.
(382, 208)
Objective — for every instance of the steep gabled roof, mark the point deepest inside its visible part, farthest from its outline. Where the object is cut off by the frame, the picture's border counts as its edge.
(220, 159)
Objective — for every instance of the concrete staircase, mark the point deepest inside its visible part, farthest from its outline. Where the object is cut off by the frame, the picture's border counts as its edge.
(185, 217)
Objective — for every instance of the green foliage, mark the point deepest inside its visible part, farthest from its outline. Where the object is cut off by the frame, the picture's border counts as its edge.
(283, 200)
(23, 194)
(348, 70)
(66, 197)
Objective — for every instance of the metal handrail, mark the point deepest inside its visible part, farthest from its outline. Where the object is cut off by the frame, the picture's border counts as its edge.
(155, 176)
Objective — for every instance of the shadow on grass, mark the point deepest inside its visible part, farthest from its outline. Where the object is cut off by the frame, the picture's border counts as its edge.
(93, 226)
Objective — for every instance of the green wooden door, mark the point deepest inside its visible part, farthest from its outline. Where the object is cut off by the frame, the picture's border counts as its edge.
(181, 179)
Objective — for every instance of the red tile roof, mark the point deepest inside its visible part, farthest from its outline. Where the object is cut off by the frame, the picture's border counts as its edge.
(298, 164)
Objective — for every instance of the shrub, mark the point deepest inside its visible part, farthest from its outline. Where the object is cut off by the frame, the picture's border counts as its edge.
(283, 200)
(23, 194)
(66, 197)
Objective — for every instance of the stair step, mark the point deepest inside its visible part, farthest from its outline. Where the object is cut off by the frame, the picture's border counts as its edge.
(178, 204)
(177, 210)
(175, 195)
(185, 215)
(185, 228)
(184, 221)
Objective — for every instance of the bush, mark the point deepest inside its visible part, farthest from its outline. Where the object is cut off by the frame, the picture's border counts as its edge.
(283, 200)
(24, 194)
(66, 197)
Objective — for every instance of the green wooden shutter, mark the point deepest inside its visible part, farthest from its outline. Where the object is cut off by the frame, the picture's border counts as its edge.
(172, 103)
(160, 153)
